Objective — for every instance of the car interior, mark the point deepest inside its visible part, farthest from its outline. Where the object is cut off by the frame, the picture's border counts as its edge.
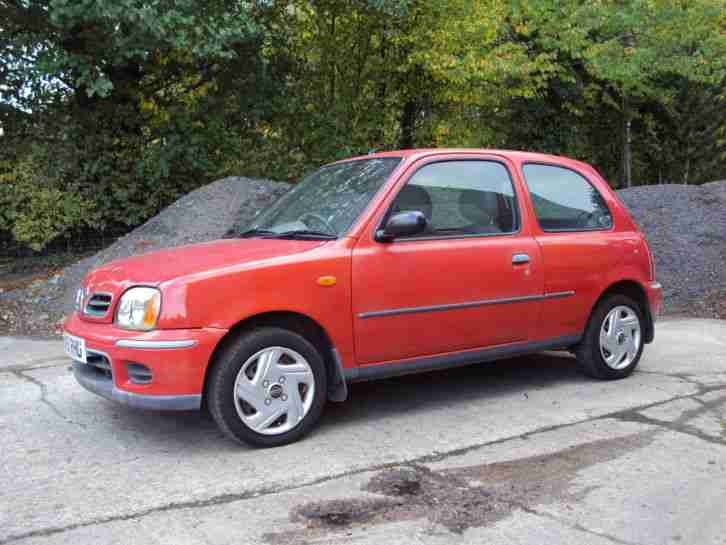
(452, 211)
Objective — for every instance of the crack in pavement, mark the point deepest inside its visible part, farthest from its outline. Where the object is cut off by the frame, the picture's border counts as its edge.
(40, 364)
(680, 425)
(44, 398)
(685, 377)
(229, 498)
(437, 457)
(575, 526)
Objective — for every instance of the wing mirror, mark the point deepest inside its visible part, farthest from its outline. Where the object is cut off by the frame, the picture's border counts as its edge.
(402, 224)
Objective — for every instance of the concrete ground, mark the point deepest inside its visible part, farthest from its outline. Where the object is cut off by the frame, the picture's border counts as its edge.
(518, 451)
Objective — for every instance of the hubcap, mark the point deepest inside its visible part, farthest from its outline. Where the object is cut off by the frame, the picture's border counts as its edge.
(620, 337)
(274, 390)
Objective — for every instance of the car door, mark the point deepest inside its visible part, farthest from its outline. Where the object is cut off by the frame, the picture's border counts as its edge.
(471, 280)
(574, 228)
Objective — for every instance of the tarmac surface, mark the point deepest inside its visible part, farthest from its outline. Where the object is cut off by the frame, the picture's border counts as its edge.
(518, 451)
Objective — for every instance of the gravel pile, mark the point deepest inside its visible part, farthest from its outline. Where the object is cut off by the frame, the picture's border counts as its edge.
(207, 213)
(685, 226)
(686, 230)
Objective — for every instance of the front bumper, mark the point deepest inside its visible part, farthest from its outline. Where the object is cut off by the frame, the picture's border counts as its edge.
(103, 386)
(177, 361)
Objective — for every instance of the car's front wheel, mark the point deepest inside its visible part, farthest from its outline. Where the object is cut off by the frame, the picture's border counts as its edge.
(613, 341)
(267, 388)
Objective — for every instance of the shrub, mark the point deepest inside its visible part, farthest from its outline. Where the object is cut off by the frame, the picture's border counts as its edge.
(34, 210)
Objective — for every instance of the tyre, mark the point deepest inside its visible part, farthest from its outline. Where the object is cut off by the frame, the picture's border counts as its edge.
(613, 341)
(267, 388)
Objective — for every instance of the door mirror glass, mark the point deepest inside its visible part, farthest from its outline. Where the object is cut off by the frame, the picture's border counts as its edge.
(403, 224)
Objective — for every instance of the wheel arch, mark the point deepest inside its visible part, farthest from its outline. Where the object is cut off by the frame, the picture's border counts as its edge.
(634, 290)
(299, 323)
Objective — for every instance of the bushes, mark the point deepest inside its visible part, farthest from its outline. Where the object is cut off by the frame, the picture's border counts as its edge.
(73, 175)
(35, 211)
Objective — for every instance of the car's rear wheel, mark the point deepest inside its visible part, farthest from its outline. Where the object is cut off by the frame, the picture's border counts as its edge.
(267, 388)
(613, 341)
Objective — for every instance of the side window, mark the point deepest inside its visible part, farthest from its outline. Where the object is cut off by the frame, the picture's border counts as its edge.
(461, 197)
(565, 201)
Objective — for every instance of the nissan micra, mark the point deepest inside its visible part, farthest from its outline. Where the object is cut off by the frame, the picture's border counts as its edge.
(376, 266)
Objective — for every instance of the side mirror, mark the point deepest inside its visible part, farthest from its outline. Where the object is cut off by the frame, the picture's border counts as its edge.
(401, 225)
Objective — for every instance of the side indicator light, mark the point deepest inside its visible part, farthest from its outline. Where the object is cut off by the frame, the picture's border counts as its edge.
(327, 281)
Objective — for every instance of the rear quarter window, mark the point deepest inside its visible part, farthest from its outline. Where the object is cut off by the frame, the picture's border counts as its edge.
(564, 200)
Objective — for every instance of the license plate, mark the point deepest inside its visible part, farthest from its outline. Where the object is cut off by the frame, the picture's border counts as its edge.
(75, 347)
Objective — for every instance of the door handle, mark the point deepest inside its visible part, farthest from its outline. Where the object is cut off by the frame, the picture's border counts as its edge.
(520, 259)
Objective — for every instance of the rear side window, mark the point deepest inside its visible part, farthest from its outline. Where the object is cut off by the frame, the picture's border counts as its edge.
(565, 201)
(461, 198)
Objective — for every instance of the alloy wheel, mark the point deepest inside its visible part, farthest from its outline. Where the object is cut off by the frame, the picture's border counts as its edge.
(274, 390)
(620, 337)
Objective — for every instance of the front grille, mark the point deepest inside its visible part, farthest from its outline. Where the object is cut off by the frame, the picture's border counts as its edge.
(98, 304)
(99, 361)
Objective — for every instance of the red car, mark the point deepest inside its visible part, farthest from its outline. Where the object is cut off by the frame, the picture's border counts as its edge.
(376, 266)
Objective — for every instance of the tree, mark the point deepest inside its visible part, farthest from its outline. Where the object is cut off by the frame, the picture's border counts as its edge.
(125, 104)
(128, 99)
(628, 48)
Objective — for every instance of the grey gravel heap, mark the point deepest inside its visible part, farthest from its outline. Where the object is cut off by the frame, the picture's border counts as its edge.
(207, 213)
(686, 229)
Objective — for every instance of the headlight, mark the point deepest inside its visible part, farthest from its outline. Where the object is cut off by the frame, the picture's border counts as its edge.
(139, 309)
(80, 295)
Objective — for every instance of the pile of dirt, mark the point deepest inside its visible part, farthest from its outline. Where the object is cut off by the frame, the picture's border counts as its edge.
(207, 213)
(686, 230)
(685, 226)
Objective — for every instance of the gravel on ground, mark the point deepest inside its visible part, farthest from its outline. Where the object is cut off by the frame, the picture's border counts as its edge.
(685, 226)
(207, 213)
(686, 230)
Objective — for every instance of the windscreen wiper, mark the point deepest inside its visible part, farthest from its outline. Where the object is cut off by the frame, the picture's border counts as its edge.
(256, 233)
(295, 233)
(305, 234)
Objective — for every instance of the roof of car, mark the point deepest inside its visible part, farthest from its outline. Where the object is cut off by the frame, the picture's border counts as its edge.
(517, 156)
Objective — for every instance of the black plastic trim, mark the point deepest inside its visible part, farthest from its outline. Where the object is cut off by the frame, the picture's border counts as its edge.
(468, 304)
(445, 361)
(104, 387)
(649, 336)
(338, 390)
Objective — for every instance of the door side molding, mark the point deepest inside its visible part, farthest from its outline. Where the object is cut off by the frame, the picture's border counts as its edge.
(468, 304)
(458, 359)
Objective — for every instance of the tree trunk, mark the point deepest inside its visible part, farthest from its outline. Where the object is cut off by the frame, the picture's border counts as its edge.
(381, 92)
(687, 172)
(627, 161)
(408, 124)
(332, 61)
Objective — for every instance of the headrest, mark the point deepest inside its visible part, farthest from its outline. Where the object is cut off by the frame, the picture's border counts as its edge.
(479, 207)
(414, 197)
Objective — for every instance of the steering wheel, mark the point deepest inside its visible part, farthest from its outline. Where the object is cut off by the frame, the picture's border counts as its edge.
(319, 220)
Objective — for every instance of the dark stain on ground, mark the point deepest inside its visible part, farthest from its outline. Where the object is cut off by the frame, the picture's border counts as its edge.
(478, 495)
(343, 512)
(459, 498)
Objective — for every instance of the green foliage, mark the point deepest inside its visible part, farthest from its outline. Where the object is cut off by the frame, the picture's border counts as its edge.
(34, 211)
(111, 109)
